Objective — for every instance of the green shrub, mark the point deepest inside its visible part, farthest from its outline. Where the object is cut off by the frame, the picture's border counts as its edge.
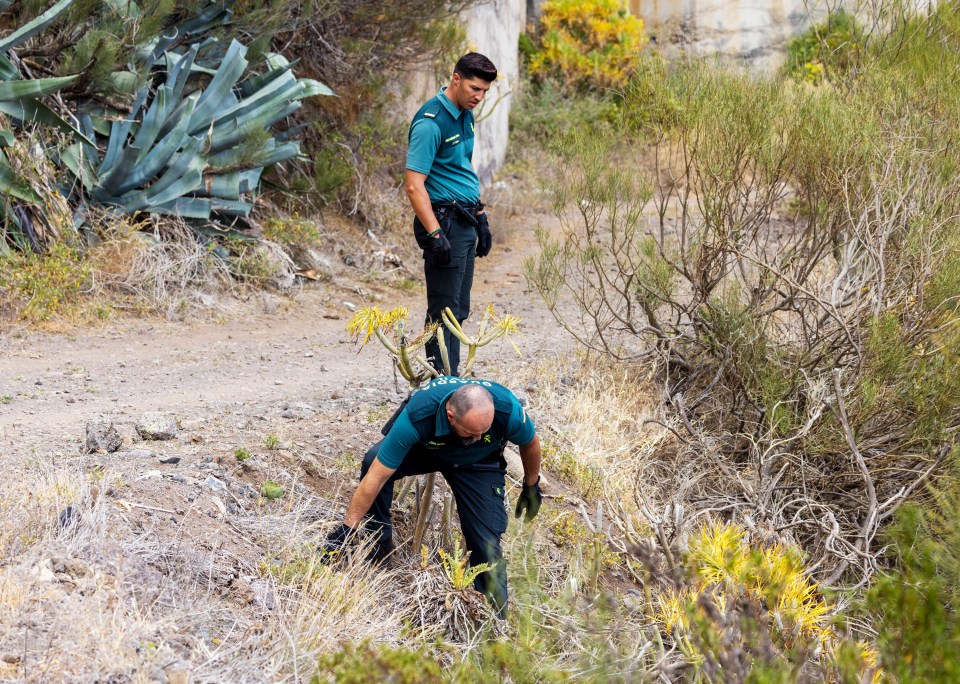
(543, 114)
(291, 231)
(367, 663)
(587, 45)
(795, 272)
(916, 604)
(827, 47)
(41, 286)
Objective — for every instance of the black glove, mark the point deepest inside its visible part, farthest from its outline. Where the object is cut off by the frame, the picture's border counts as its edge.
(529, 501)
(484, 238)
(439, 251)
(337, 541)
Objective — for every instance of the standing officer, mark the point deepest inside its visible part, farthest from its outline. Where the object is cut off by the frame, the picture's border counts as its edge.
(456, 427)
(444, 190)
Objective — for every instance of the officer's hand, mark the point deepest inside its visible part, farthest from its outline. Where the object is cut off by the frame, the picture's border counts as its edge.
(440, 250)
(484, 238)
(529, 501)
(336, 542)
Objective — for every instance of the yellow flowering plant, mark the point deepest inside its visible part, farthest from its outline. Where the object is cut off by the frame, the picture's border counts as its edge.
(587, 45)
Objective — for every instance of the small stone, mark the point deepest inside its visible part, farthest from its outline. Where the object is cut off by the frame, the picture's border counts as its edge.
(336, 394)
(73, 567)
(68, 517)
(151, 475)
(156, 426)
(43, 571)
(102, 436)
(178, 677)
(214, 484)
(289, 413)
(170, 460)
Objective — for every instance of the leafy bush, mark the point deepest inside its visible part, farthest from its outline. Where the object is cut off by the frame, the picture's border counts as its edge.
(366, 663)
(825, 49)
(790, 263)
(41, 286)
(586, 45)
(915, 603)
(745, 611)
(545, 112)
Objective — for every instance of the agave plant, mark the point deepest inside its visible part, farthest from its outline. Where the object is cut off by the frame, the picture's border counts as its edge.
(194, 152)
(195, 144)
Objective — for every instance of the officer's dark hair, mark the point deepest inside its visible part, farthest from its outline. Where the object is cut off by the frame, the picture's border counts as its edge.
(475, 65)
(467, 398)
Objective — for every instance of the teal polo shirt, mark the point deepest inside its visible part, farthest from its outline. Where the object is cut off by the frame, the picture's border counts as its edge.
(441, 147)
(424, 424)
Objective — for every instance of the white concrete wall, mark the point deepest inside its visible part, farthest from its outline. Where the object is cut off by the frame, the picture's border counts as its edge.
(754, 31)
(494, 29)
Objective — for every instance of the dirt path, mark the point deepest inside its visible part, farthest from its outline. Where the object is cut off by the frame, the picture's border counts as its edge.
(176, 532)
(279, 352)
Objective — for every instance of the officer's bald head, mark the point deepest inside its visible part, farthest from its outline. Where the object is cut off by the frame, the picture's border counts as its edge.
(470, 411)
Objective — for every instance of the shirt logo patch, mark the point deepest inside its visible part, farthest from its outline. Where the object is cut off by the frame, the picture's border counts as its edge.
(452, 137)
(486, 438)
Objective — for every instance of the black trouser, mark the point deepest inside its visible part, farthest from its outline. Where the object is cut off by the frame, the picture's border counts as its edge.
(479, 492)
(449, 286)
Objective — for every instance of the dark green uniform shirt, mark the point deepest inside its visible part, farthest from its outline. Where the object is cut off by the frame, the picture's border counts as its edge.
(424, 422)
(441, 147)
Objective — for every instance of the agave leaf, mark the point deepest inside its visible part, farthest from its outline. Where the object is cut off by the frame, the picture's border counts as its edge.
(251, 85)
(230, 71)
(6, 138)
(231, 185)
(216, 14)
(189, 162)
(311, 88)
(27, 110)
(34, 27)
(80, 165)
(271, 154)
(177, 63)
(160, 155)
(152, 120)
(18, 90)
(8, 72)
(228, 133)
(274, 94)
(118, 135)
(202, 207)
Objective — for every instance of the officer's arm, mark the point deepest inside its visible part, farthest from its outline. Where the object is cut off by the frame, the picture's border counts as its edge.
(530, 457)
(371, 484)
(420, 200)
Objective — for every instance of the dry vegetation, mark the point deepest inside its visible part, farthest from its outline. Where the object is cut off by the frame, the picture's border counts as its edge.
(764, 294)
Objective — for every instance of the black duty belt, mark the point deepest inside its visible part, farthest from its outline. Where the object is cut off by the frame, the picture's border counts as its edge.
(454, 210)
